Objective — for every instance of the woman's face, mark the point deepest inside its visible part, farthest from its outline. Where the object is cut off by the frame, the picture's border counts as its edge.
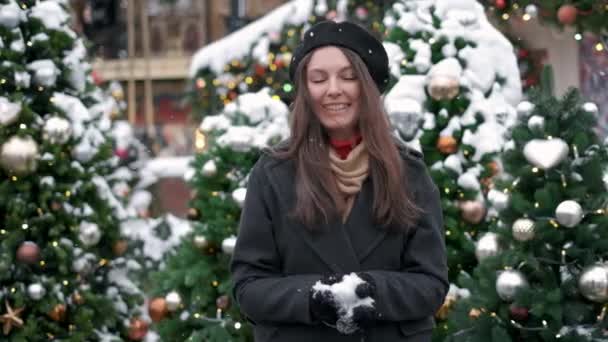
(334, 90)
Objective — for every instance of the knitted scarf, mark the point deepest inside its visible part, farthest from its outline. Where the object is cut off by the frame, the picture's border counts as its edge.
(350, 174)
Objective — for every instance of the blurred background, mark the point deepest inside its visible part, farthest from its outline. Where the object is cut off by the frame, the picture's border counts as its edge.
(147, 46)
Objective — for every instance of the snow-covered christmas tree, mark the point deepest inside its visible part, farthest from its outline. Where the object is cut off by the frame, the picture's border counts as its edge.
(62, 276)
(542, 274)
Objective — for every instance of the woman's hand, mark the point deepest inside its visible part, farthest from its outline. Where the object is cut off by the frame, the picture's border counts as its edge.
(344, 301)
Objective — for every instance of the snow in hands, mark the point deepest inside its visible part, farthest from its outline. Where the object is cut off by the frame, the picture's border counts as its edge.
(349, 297)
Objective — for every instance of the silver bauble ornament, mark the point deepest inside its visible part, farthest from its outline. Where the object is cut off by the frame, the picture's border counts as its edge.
(57, 130)
(9, 111)
(487, 246)
(228, 245)
(499, 199)
(443, 87)
(536, 122)
(238, 196)
(531, 10)
(200, 241)
(590, 107)
(209, 169)
(593, 283)
(36, 291)
(89, 233)
(523, 229)
(509, 282)
(545, 153)
(174, 301)
(569, 213)
(524, 109)
(19, 155)
(407, 119)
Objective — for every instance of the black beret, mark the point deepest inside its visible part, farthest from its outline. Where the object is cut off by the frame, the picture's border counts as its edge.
(348, 35)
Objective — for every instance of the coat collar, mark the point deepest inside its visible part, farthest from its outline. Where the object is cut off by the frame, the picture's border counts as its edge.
(331, 243)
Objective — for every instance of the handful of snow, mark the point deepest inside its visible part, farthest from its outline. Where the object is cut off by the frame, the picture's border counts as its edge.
(352, 298)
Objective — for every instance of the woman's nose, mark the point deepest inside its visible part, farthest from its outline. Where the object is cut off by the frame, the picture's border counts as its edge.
(334, 87)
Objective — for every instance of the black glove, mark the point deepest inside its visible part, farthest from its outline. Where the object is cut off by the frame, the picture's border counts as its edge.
(323, 307)
(345, 301)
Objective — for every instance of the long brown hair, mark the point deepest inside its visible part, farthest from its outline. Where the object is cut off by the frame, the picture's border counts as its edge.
(317, 195)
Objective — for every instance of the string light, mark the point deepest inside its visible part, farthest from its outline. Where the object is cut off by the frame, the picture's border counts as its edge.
(599, 47)
(237, 325)
(534, 169)
(248, 80)
(200, 83)
(200, 140)
(526, 17)
(578, 36)
(505, 16)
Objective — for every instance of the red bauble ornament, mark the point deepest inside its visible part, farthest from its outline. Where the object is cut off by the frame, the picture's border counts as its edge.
(28, 253)
(122, 153)
(501, 4)
(567, 14)
(523, 53)
(518, 313)
(138, 328)
(260, 70)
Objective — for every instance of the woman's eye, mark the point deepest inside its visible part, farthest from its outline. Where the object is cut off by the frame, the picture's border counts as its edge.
(349, 77)
(318, 80)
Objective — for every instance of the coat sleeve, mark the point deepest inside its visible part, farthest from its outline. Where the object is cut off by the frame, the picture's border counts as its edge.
(419, 288)
(263, 293)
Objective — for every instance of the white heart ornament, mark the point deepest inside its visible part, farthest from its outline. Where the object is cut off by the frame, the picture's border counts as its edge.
(545, 153)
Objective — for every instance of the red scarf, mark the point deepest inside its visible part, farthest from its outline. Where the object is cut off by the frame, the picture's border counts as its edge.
(343, 147)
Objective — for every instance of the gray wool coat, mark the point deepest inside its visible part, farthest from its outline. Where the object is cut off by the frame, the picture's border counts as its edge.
(277, 260)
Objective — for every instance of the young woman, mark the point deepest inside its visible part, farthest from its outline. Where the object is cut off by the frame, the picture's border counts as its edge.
(341, 235)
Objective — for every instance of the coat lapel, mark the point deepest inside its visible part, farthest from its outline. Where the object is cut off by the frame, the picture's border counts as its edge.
(360, 222)
(331, 242)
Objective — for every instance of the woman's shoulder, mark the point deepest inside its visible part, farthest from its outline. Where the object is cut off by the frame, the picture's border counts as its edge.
(269, 156)
(409, 154)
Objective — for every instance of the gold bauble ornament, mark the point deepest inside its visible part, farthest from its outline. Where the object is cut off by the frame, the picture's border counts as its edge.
(474, 313)
(118, 94)
(472, 211)
(445, 308)
(200, 241)
(120, 247)
(138, 329)
(447, 145)
(77, 298)
(157, 308)
(443, 87)
(193, 214)
(19, 155)
(58, 313)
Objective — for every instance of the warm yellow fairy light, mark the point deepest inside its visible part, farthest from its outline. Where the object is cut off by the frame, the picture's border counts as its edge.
(248, 80)
(200, 140)
(505, 16)
(535, 169)
(526, 17)
(599, 47)
(578, 36)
